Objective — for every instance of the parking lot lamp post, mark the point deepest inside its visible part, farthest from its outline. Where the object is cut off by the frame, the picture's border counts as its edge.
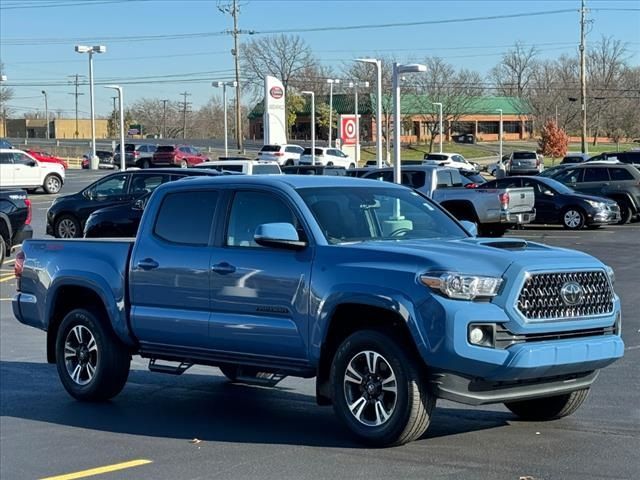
(123, 154)
(224, 86)
(91, 51)
(3, 78)
(313, 125)
(500, 136)
(439, 104)
(355, 86)
(378, 64)
(399, 69)
(46, 112)
(331, 81)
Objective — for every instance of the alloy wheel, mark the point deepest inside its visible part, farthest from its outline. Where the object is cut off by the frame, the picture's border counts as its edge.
(572, 219)
(80, 355)
(67, 228)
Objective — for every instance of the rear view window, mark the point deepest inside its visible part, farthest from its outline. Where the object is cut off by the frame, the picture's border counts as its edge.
(620, 174)
(435, 156)
(270, 148)
(266, 169)
(524, 156)
(185, 218)
(165, 148)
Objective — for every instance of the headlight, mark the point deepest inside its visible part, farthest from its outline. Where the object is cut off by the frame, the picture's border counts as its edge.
(610, 272)
(461, 286)
(598, 205)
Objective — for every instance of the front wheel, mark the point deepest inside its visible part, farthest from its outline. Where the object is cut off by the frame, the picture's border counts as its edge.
(184, 164)
(378, 392)
(67, 226)
(352, 165)
(625, 212)
(573, 218)
(52, 184)
(549, 408)
(93, 364)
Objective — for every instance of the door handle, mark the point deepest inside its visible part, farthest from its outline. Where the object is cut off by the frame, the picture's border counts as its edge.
(223, 268)
(148, 264)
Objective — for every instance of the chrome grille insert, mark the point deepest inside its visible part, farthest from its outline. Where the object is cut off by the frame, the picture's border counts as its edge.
(542, 296)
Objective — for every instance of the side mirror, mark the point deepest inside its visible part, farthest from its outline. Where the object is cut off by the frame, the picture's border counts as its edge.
(470, 227)
(89, 194)
(32, 163)
(278, 235)
(139, 204)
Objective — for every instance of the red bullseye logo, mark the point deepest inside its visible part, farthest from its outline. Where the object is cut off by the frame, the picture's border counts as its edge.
(350, 129)
(276, 92)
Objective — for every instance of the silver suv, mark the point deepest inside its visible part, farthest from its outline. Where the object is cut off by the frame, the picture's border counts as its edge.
(524, 163)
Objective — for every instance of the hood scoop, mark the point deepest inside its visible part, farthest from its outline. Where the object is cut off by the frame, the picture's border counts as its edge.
(507, 244)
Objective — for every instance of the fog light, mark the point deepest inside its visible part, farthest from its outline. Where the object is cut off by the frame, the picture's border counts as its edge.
(482, 335)
(476, 336)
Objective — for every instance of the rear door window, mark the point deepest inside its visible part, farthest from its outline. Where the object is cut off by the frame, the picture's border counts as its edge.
(596, 175)
(620, 174)
(6, 158)
(185, 218)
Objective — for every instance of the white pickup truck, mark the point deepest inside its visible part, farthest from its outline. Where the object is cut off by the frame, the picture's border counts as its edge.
(493, 210)
(19, 169)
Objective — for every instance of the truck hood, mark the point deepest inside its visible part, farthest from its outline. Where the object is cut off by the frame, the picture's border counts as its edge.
(481, 256)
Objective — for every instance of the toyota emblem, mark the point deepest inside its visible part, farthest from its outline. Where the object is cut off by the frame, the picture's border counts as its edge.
(572, 293)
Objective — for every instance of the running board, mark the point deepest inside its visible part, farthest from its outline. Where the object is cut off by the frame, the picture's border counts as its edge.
(170, 369)
(264, 379)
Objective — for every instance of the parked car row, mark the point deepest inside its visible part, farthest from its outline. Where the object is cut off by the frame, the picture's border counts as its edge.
(148, 156)
(20, 170)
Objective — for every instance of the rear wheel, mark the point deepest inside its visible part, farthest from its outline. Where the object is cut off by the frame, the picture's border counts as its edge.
(378, 392)
(184, 164)
(288, 163)
(3, 249)
(352, 165)
(625, 212)
(52, 184)
(549, 408)
(67, 226)
(93, 364)
(573, 218)
(329, 164)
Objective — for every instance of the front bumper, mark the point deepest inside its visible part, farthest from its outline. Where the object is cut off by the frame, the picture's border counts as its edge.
(604, 216)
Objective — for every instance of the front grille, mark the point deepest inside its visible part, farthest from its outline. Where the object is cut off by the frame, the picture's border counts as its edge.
(541, 298)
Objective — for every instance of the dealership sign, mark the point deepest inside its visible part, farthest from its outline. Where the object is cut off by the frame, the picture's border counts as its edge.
(347, 129)
(275, 126)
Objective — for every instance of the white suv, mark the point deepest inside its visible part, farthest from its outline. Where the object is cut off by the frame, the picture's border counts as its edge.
(327, 157)
(453, 160)
(283, 154)
(248, 167)
(19, 169)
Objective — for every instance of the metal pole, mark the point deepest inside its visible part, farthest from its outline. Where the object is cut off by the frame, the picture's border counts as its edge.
(313, 129)
(123, 154)
(440, 123)
(94, 159)
(556, 115)
(330, 109)
(500, 136)
(237, 68)
(46, 112)
(379, 113)
(76, 94)
(583, 80)
(164, 118)
(395, 87)
(357, 155)
(224, 101)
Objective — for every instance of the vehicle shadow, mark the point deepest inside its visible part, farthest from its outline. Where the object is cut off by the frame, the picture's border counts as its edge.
(208, 408)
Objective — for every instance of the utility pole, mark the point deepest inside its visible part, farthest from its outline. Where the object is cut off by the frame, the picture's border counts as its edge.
(76, 94)
(185, 104)
(583, 79)
(114, 114)
(164, 118)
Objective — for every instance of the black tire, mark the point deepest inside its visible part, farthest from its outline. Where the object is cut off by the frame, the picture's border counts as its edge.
(409, 412)
(329, 164)
(352, 165)
(52, 184)
(289, 163)
(626, 212)
(108, 357)
(3, 249)
(184, 164)
(146, 164)
(573, 218)
(67, 226)
(548, 408)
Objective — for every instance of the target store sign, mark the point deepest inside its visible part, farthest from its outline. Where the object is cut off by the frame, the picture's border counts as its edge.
(348, 133)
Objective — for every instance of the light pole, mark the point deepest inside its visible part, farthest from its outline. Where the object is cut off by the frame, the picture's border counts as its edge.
(91, 51)
(378, 64)
(331, 81)
(355, 86)
(398, 70)
(3, 78)
(46, 112)
(123, 154)
(439, 104)
(500, 136)
(224, 86)
(313, 125)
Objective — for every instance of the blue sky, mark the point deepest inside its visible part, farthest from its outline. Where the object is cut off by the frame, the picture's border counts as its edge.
(36, 43)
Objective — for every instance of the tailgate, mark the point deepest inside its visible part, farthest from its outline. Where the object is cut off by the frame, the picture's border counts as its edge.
(521, 199)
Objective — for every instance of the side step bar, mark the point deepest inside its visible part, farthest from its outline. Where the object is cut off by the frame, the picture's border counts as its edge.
(179, 369)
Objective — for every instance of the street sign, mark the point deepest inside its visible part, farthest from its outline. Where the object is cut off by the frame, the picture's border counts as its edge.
(347, 132)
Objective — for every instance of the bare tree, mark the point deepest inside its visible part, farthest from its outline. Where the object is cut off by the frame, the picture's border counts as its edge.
(6, 94)
(513, 74)
(151, 113)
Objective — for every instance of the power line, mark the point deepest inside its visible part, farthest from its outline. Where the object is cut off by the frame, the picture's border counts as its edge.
(76, 94)
(185, 104)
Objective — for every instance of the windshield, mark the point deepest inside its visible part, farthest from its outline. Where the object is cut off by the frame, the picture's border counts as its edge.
(365, 213)
(270, 148)
(165, 148)
(525, 156)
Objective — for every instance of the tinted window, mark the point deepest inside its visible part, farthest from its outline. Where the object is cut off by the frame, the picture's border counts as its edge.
(185, 217)
(143, 149)
(6, 158)
(230, 168)
(112, 186)
(165, 148)
(291, 150)
(22, 159)
(265, 169)
(596, 175)
(525, 156)
(272, 148)
(146, 183)
(569, 175)
(251, 209)
(629, 157)
(620, 174)
(436, 156)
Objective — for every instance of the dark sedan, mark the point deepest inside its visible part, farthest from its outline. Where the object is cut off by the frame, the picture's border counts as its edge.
(556, 203)
(68, 214)
(119, 221)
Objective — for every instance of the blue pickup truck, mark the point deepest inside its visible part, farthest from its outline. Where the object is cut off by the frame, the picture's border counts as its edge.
(370, 287)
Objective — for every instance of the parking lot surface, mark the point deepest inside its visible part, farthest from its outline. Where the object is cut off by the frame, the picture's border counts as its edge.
(199, 426)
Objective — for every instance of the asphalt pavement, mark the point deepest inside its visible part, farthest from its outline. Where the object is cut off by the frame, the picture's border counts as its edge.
(199, 426)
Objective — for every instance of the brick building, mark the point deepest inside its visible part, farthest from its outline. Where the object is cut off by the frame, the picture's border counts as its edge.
(480, 118)
(60, 128)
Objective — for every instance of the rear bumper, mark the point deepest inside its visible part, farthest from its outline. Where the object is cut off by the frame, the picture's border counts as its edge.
(518, 218)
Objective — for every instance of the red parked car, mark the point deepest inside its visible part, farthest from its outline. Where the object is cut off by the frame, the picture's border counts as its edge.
(47, 157)
(177, 156)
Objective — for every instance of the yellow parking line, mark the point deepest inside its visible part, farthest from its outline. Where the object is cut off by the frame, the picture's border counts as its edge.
(6, 279)
(100, 470)
(7, 262)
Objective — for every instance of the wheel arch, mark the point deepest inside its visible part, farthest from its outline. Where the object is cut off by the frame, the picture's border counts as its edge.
(622, 196)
